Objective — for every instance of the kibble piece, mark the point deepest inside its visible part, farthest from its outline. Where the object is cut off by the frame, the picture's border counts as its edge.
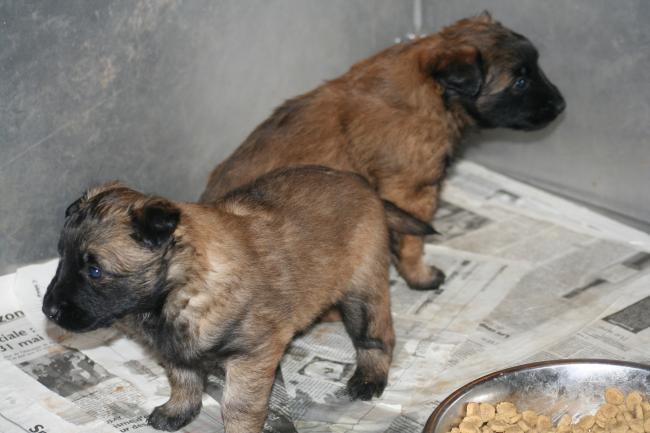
(638, 412)
(619, 428)
(468, 427)
(544, 423)
(497, 425)
(502, 417)
(473, 409)
(620, 418)
(614, 396)
(636, 425)
(455, 430)
(530, 416)
(577, 429)
(515, 418)
(523, 425)
(476, 420)
(586, 422)
(487, 411)
(632, 400)
(628, 416)
(513, 429)
(646, 425)
(609, 410)
(506, 408)
(646, 409)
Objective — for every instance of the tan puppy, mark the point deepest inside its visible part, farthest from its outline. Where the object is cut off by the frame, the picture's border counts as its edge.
(396, 117)
(231, 283)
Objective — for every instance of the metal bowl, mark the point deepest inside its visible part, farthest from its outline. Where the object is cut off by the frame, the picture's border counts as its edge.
(553, 388)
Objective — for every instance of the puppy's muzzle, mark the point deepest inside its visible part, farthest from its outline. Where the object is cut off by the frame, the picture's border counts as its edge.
(559, 105)
(51, 309)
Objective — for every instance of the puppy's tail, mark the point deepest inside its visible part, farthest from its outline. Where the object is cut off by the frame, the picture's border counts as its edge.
(403, 222)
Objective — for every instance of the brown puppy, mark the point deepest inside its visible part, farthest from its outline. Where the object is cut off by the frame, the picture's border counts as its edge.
(396, 117)
(231, 283)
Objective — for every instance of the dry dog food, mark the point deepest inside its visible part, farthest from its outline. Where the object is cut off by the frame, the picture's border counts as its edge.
(619, 414)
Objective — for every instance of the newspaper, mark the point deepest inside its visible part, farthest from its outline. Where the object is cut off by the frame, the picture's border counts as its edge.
(530, 276)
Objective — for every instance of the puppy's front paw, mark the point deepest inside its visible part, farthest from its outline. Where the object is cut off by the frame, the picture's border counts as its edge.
(362, 387)
(162, 418)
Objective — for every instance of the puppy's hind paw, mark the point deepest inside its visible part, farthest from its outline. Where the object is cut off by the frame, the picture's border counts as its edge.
(361, 387)
(433, 282)
(162, 419)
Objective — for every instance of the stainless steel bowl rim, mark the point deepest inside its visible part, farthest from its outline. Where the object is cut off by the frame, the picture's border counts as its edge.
(440, 409)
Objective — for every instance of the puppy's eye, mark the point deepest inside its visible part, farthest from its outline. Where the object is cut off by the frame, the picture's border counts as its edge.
(94, 272)
(520, 83)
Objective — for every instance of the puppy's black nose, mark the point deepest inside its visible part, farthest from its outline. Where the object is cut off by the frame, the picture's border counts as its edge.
(53, 312)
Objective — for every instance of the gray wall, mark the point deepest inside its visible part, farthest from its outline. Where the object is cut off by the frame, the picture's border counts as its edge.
(156, 92)
(598, 53)
(153, 92)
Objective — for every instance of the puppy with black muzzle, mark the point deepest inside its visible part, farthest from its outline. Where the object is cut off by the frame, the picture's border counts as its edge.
(229, 284)
(396, 118)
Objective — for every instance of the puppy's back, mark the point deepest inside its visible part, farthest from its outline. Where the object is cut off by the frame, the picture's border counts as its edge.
(308, 192)
(315, 229)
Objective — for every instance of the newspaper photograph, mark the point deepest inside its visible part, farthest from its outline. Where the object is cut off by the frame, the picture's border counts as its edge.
(530, 276)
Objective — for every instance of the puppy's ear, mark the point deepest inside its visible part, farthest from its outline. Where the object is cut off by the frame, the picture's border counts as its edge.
(154, 223)
(459, 70)
(485, 17)
(74, 207)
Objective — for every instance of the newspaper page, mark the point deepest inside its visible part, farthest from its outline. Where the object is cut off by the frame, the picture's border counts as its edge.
(529, 276)
(621, 331)
(476, 184)
(29, 362)
(576, 269)
(101, 374)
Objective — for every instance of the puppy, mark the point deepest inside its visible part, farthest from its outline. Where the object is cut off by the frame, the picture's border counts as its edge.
(396, 117)
(229, 284)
